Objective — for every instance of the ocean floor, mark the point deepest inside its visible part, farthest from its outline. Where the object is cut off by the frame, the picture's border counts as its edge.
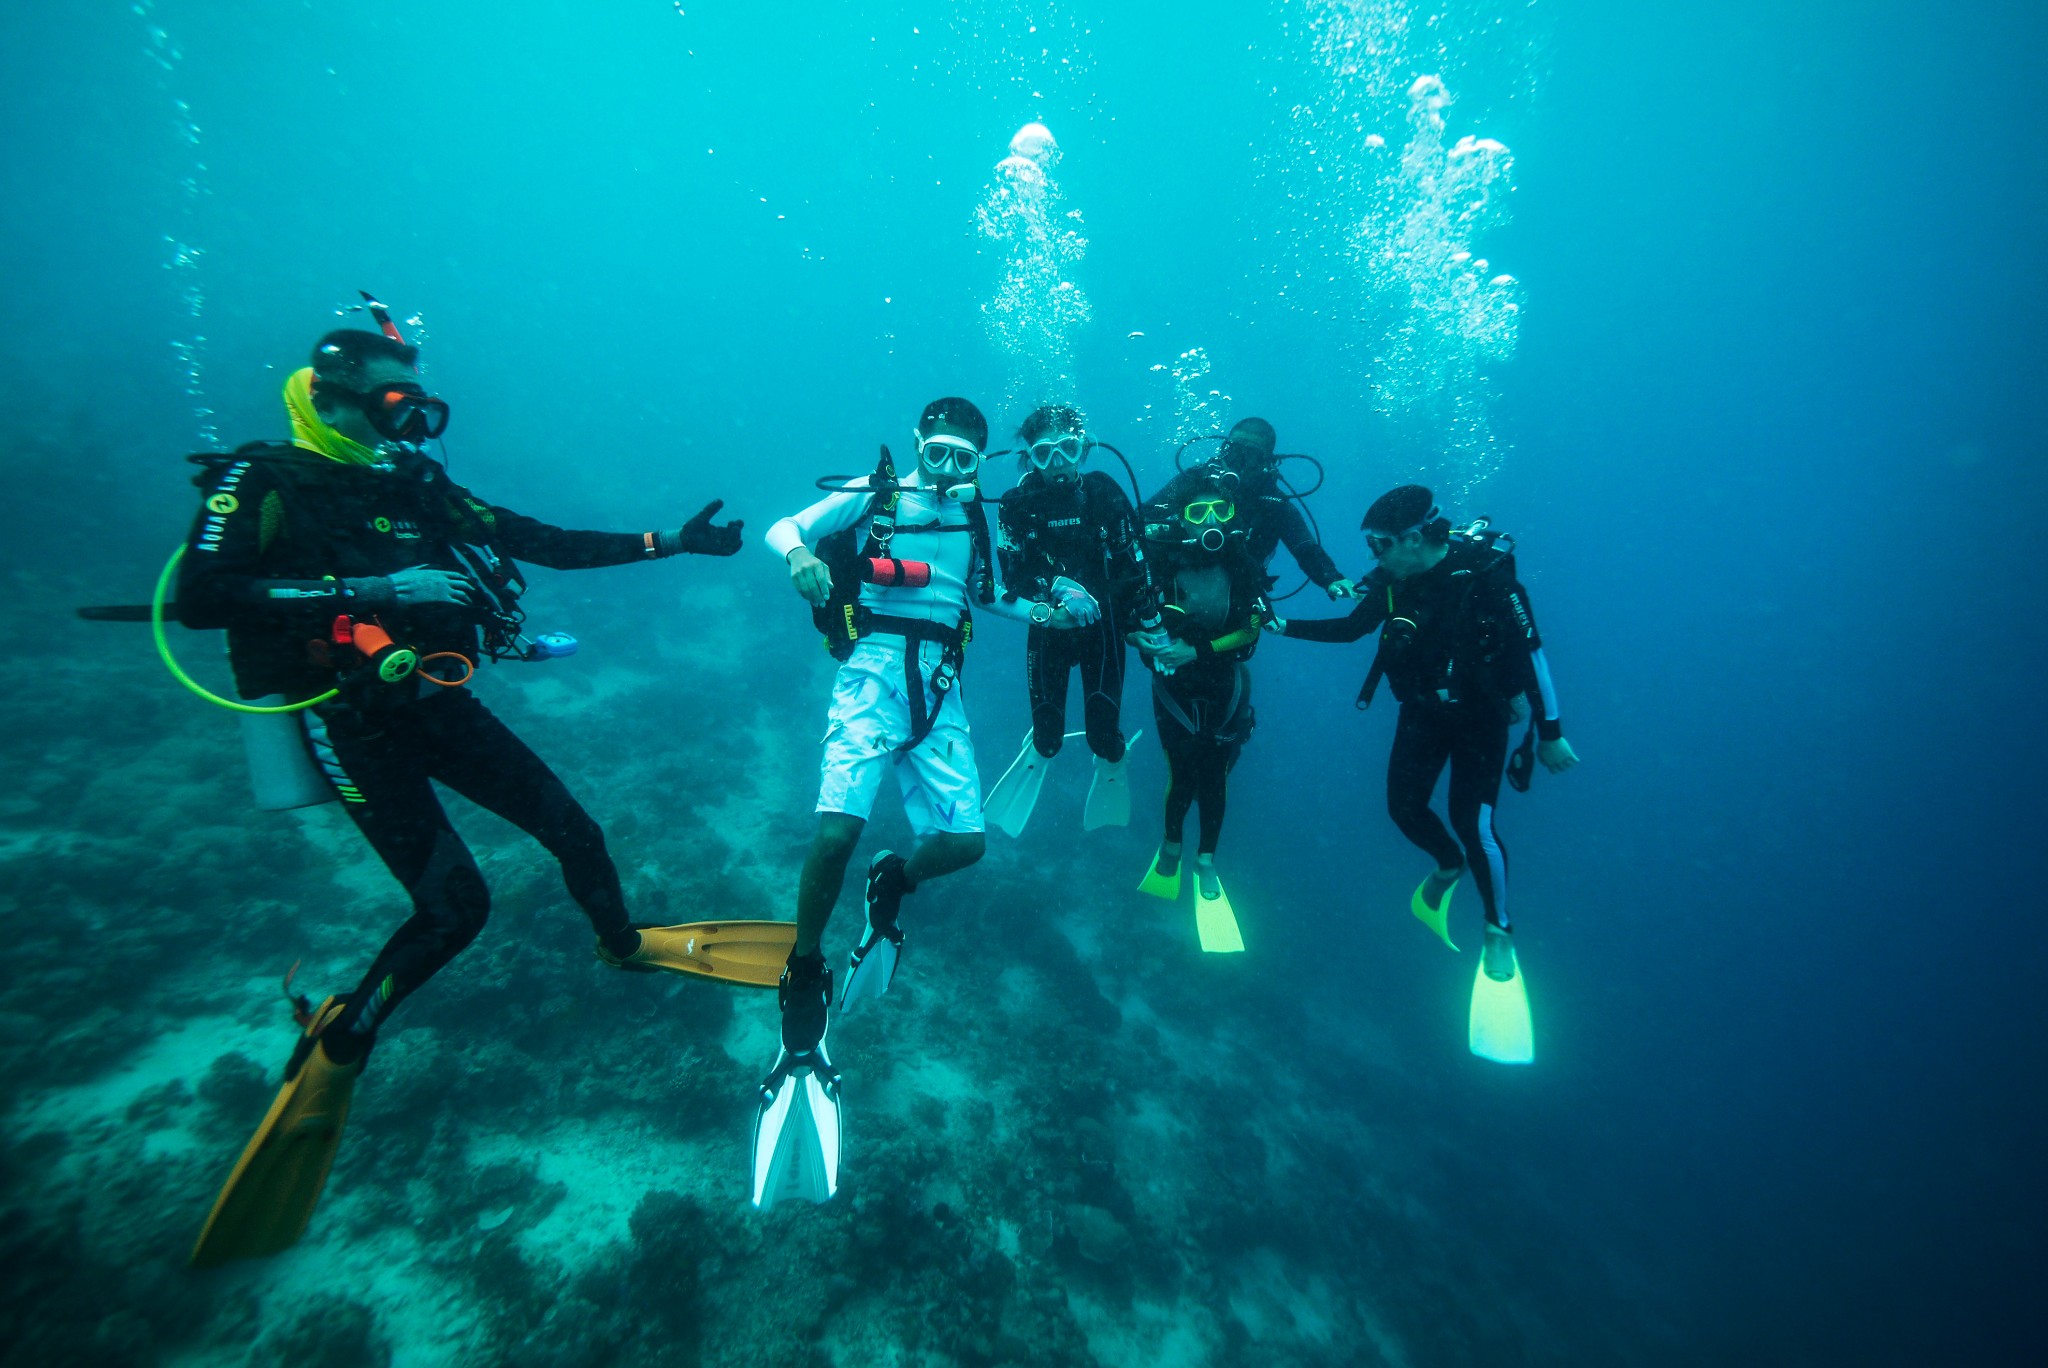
(1072, 1138)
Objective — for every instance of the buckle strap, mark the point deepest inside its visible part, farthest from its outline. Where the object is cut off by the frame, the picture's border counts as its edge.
(916, 630)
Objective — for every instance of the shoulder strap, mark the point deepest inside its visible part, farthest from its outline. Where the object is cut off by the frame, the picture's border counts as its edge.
(881, 514)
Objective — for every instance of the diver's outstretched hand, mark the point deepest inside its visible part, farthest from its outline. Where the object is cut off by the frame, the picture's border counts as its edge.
(702, 537)
(1557, 756)
(1276, 625)
(1342, 589)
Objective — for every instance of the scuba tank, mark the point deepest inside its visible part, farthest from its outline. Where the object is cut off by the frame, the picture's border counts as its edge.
(282, 775)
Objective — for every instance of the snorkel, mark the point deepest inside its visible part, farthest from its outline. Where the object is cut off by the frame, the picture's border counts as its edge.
(381, 316)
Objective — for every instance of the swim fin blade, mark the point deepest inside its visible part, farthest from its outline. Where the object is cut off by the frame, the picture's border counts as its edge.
(1215, 922)
(1109, 793)
(1010, 803)
(872, 970)
(796, 1130)
(1500, 1028)
(1159, 885)
(268, 1200)
(750, 953)
(1438, 918)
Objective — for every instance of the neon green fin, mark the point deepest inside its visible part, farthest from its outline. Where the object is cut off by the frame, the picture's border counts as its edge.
(1438, 918)
(1215, 923)
(1500, 1028)
(1159, 885)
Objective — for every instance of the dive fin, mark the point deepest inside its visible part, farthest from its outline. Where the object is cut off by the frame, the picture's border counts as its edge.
(872, 968)
(267, 1202)
(742, 952)
(1438, 918)
(796, 1130)
(1010, 802)
(1215, 922)
(1109, 793)
(1500, 1028)
(1159, 885)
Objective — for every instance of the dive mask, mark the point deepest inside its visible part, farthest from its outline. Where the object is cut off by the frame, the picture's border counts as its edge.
(1247, 460)
(1379, 543)
(943, 454)
(1208, 512)
(402, 412)
(1048, 452)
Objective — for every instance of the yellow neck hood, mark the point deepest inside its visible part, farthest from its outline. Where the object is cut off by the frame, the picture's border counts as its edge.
(312, 434)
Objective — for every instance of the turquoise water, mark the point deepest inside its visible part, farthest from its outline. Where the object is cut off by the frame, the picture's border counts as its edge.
(1731, 316)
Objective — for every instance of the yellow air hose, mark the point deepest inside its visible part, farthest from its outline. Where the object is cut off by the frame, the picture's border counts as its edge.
(163, 649)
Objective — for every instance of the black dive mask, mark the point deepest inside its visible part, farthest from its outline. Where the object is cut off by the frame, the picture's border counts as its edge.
(1249, 462)
(402, 412)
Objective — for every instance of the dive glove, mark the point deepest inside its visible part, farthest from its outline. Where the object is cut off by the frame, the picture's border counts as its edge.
(700, 536)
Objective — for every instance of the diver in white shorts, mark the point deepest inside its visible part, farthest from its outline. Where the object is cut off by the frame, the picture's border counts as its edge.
(890, 567)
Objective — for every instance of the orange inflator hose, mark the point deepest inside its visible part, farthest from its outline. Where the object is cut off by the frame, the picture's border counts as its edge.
(468, 669)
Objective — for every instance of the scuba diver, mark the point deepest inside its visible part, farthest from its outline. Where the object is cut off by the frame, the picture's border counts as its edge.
(353, 575)
(1459, 648)
(889, 567)
(1069, 538)
(1249, 472)
(1212, 583)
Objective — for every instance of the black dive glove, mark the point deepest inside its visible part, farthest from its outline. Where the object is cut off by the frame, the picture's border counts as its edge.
(700, 536)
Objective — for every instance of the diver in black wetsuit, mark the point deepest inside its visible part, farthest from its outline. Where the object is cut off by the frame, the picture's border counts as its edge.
(1459, 648)
(1068, 538)
(303, 552)
(1210, 584)
(1249, 471)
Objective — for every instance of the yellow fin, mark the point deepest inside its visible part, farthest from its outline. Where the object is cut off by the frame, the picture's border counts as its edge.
(751, 953)
(268, 1200)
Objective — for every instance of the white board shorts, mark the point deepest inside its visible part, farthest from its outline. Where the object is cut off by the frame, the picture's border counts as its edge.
(871, 717)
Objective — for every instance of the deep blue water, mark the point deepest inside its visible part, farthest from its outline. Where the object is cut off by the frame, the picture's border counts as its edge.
(1769, 439)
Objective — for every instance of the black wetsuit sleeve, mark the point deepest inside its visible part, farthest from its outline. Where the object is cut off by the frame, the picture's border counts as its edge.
(221, 580)
(538, 543)
(1308, 553)
(1525, 670)
(1365, 616)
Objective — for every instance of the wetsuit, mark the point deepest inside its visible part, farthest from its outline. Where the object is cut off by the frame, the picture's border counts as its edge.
(1458, 645)
(1087, 532)
(284, 541)
(1269, 516)
(1204, 708)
